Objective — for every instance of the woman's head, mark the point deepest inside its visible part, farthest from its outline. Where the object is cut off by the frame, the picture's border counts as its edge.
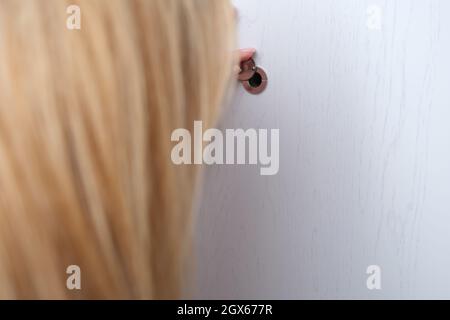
(85, 123)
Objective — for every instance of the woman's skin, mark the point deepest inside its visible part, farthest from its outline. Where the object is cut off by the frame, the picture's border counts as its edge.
(244, 55)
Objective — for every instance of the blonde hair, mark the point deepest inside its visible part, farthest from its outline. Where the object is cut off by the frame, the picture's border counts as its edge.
(85, 123)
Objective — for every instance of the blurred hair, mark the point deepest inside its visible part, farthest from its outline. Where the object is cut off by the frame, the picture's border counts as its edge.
(85, 123)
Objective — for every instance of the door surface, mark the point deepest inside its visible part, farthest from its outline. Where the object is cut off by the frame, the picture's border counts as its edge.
(360, 91)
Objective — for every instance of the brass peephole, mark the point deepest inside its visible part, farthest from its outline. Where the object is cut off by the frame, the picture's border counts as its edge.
(253, 78)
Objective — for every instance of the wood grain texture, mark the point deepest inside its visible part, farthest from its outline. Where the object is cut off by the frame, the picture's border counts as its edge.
(364, 119)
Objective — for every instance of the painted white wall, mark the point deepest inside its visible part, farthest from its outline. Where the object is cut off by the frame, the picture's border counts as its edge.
(364, 119)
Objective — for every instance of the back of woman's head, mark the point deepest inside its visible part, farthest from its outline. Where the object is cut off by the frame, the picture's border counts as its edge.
(85, 123)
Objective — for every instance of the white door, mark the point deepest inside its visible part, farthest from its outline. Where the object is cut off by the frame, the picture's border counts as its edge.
(360, 91)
